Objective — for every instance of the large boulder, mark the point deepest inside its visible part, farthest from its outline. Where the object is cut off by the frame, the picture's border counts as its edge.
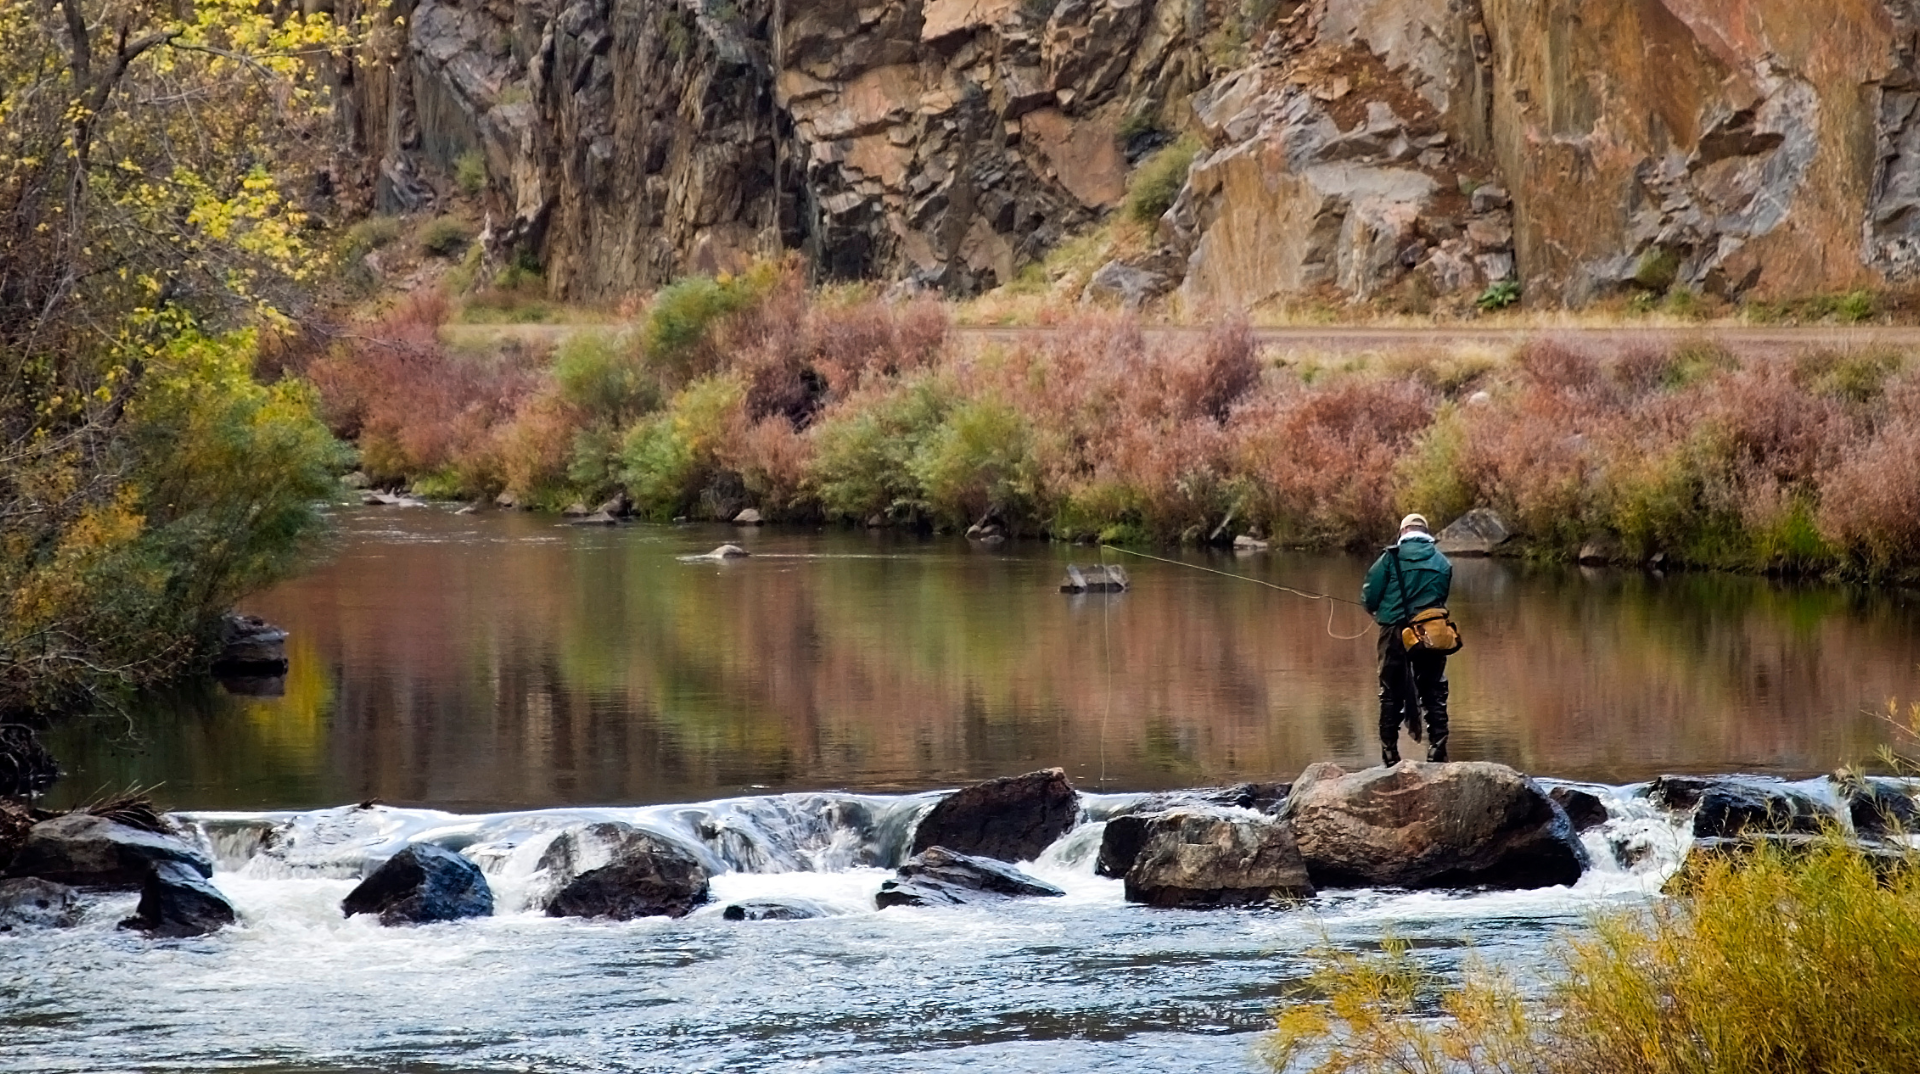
(1011, 818)
(99, 853)
(1424, 825)
(609, 870)
(1196, 859)
(938, 877)
(176, 901)
(31, 903)
(422, 884)
(1476, 532)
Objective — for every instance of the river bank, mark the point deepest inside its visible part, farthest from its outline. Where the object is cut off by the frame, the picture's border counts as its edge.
(753, 393)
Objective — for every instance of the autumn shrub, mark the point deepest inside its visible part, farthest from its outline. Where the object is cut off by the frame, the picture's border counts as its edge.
(445, 237)
(678, 333)
(1783, 961)
(979, 458)
(1157, 182)
(414, 407)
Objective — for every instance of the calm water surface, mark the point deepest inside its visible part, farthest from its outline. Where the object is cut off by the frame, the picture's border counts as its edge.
(506, 661)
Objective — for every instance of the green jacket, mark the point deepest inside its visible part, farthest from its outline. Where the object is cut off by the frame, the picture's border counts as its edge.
(1425, 573)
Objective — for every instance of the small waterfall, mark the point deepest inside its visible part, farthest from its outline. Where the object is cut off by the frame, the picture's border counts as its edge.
(1638, 847)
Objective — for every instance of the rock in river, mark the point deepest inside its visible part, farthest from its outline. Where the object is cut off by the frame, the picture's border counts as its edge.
(772, 910)
(1200, 859)
(1878, 807)
(33, 903)
(938, 877)
(422, 884)
(1420, 825)
(1583, 808)
(99, 853)
(610, 870)
(1010, 818)
(1729, 806)
(177, 902)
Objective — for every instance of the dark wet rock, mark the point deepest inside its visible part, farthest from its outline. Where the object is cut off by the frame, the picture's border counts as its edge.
(1879, 807)
(1010, 818)
(26, 768)
(1120, 843)
(37, 904)
(1887, 860)
(1683, 792)
(610, 870)
(176, 901)
(618, 506)
(1583, 808)
(939, 877)
(250, 646)
(1422, 825)
(772, 911)
(98, 853)
(1730, 805)
(595, 518)
(1198, 859)
(1476, 532)
(1264, 796)
(422, 884)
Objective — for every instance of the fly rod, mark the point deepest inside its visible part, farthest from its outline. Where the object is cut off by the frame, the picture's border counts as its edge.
(1331, 600)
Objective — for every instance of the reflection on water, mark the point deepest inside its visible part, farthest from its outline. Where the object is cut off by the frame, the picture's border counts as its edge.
(501, 661)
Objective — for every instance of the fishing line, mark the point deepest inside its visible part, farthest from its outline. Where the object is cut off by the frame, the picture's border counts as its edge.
(1331, 600)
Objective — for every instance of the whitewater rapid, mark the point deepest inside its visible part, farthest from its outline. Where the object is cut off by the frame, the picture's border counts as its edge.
(1084, 982)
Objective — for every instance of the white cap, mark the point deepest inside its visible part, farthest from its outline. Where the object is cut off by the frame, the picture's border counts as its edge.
(1413, 521)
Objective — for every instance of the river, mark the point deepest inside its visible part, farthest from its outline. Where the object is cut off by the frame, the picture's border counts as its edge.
(493, 677)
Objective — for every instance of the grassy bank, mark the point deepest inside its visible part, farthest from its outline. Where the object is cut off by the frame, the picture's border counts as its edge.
(751, 391)
(1781, 963)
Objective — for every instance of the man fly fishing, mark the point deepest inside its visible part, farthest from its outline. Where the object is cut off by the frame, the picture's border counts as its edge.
(1406, 593)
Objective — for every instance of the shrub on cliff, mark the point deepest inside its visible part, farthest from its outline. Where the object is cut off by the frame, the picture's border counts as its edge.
(1780, 962)
(1155, 185)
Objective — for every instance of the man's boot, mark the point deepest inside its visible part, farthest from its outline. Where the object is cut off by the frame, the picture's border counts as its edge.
(1437, 723)
(1390, 753)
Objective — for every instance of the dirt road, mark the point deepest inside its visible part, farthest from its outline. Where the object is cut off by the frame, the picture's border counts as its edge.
(1352, 340)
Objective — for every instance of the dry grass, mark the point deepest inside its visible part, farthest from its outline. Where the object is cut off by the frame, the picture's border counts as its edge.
(1781, 962)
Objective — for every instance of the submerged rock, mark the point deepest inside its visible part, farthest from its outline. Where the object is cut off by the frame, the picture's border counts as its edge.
(1583, 808)
(422, 884)
(1265, 796)
(1422, 825)
(939, 877)
(37, 904)
(1880, 807)
(610, 870)
(719, 554)
(1011, 818)
(99, 853)
(1197, 859)
(1731, 805)
(177, 902)
(772, 911)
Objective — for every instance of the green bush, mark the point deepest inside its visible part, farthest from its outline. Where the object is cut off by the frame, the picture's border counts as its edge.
(1782, 961)
(372, 234)
(600, 375)
(1501, 294)
(1657, 270)
(445, 237)
(863, 459)
(980, 457)
(470, 173)
(665, 460)
(1157, 182)
(685, 313)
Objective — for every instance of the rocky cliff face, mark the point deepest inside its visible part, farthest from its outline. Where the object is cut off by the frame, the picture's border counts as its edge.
(634, 140)
(1407, 150)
